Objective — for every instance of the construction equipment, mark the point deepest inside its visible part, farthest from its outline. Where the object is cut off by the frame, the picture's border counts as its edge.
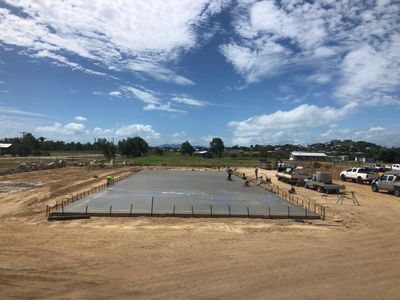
(322, 182)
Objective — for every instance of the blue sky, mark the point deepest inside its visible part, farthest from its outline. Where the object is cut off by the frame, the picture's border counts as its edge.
(250, 72)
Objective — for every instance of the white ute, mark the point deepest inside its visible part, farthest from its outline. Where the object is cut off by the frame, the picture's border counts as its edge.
(359, 174)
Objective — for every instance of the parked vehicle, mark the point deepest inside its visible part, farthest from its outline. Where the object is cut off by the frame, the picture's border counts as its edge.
(290, 174)
(265, 164)
(322, 182)
(359, 175)
(396, 167)
(378, 168)
(390, 182)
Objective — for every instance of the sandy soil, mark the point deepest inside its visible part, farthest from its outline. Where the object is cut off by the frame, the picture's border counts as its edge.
(352, 255)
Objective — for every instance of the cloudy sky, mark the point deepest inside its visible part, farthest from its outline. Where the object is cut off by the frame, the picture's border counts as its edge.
(250, 72)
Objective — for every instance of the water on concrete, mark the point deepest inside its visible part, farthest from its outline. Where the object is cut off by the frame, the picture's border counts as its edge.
(184, 189)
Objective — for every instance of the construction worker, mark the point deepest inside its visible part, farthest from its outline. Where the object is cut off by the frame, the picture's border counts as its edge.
(292, 190)
(110, 180)
(230, 172)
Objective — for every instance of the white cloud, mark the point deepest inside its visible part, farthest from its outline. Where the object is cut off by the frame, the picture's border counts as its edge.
(146, 96)
(351, 45)
(255, 64)
(375, 134)
(146, 37)
(114, 93)
(368, 72)
(151, 100)
(189, 101)
(178, 138)
(11, 125)
(80, 118)
(97, 131)
(163, 107)
(17, 111)
(284, 126)
(67, 129)
(320, 78)
(144, 131)
(63, 61)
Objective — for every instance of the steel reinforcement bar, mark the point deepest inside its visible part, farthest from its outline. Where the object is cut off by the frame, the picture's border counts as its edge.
(184, 215)
(83, 194)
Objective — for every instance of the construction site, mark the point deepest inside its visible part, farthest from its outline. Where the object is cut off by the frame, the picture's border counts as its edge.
(176, 232)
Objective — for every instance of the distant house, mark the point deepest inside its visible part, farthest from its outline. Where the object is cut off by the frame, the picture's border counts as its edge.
(4, 147)
(341, 158)
(203, 153)
(364, 159)
(361, 157)
(310, 156)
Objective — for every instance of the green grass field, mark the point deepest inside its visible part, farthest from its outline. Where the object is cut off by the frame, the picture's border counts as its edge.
(177, 159)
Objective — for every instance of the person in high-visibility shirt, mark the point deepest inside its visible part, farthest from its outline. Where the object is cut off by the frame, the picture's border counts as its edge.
(110, 180)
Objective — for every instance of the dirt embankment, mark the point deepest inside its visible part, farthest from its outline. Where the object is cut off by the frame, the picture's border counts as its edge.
(50, 186)
(195, 258)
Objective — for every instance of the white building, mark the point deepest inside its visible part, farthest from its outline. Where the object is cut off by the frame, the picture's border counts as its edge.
(311, 156)
(3, 147)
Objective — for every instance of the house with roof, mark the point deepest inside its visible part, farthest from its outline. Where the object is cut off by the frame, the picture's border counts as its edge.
(308, 156)
(4, 147)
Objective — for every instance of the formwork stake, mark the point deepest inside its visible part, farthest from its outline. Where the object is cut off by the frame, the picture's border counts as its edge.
(62, 208)
(210, 210)
(305, 212)
(288, 211)
(192, 211)
(86, 209)
(229, 208)
(248, 212)
(152, 203)
(173, 211)
(130, 212)
(269, 212)
(110, 209)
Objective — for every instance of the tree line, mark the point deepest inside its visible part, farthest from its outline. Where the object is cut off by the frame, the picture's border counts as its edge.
(28, 145)
(137, 146)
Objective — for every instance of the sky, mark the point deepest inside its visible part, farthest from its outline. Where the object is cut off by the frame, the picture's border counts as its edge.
(249, 72)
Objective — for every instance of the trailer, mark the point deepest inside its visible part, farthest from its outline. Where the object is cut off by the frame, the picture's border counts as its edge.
(322, 182)
(290, 174)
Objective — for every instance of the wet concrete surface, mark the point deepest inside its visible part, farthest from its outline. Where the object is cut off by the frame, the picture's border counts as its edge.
(184, 190)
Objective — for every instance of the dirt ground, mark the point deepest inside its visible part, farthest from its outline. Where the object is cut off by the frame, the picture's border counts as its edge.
(352, 255)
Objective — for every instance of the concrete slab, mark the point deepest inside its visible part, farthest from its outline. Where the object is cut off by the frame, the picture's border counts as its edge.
(202, 190)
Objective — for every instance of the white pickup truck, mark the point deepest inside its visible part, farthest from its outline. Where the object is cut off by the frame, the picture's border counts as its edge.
(359, 175)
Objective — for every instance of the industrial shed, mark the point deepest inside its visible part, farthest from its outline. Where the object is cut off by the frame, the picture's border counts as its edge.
(3, 147)
(310, 156)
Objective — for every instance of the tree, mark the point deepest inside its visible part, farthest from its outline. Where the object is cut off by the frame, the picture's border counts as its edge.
(27, 145)
(108, 149)
(159, 151)
(133, 147)
(217, 146)
(186, 148)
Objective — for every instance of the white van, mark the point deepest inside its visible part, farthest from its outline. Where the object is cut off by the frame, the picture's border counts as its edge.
(396, 167)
